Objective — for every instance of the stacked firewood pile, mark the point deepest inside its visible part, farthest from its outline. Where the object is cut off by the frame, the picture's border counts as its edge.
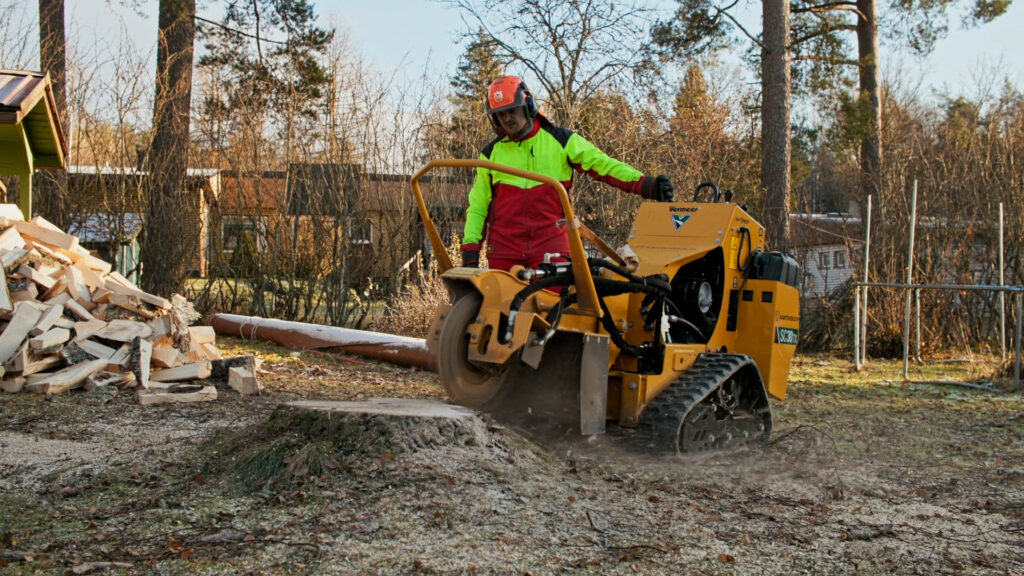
(67, 320)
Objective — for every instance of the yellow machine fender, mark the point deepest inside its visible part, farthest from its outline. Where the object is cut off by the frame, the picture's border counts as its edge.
(566, 390)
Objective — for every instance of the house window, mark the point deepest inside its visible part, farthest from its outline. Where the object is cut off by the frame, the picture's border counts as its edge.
(824, 260)
(236, 233)
(360, 231)
(839, 259)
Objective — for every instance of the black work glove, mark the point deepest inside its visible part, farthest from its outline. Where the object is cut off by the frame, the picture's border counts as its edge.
(659, 188)
(471, 258)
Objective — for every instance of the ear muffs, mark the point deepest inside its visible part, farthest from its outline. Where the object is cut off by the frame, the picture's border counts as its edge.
(531, 104)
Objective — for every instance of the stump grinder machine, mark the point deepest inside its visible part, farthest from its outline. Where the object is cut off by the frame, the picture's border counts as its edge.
(684, 339)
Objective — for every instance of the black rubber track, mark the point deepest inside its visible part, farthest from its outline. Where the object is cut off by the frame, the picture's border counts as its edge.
(661, 424)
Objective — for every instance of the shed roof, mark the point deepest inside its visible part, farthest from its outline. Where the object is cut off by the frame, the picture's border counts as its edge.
(102, 228)
(26, 98)
(808, 230)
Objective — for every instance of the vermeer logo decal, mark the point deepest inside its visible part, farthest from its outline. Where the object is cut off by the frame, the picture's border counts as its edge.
(679, 219)
(786, 335)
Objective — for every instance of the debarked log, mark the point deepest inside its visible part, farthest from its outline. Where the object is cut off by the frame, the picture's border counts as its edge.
(400, 350)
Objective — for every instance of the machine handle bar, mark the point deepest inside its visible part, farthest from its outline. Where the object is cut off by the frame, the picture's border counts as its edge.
(585, 290)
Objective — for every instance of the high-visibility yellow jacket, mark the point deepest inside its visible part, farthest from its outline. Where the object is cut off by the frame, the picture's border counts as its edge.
(517, 217)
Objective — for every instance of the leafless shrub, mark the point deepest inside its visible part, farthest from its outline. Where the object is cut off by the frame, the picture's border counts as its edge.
(411, 311)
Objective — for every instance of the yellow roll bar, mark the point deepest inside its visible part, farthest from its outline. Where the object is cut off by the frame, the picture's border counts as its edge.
(585, 291)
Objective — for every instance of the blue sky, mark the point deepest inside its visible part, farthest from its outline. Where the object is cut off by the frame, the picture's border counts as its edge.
(414, 34)
(396, 31)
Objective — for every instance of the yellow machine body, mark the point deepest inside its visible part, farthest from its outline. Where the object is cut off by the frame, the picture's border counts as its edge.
(728, 297)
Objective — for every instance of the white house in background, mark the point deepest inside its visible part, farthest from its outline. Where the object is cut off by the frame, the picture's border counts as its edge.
(827, 246)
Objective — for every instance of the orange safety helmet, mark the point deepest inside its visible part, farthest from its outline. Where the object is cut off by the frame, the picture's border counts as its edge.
(506, 93)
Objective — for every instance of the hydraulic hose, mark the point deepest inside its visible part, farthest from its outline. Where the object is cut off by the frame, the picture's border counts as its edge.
(559, 279)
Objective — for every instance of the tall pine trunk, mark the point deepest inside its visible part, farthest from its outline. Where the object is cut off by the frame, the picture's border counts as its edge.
(51, 194)
(171, 223)
(869, 101)
(775, 82)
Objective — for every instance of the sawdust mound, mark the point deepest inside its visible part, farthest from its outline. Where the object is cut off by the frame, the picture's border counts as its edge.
(302, 441)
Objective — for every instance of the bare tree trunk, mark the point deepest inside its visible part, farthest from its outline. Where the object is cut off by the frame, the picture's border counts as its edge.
(170, 234)
(775, 80)
(51, 195)
(871, 145)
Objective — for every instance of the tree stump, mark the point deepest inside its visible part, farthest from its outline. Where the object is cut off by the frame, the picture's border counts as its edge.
(379, 425)
(321, 439)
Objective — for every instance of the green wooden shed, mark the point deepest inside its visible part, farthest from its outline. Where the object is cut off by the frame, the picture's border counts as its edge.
(31, 137)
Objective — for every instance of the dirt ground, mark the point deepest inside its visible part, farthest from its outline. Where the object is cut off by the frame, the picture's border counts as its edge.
(865, 474)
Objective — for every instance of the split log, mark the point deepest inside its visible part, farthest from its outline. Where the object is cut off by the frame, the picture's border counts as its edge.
(194, 371)
(64, 322)
(243, 381)
(68, 378)
(117, 283)
(12, 385)
(45, 235)
(45, 251)
(161, 326)
(42, 280)
(124, 330)
(95, 349)
(201, 335)
(47, 320)
(26, 293)
(11, 213)
(87, 328)
(77, 287)
(79, 310)
(6, 304)
(94, 263)
(165, 357)
(25, 363)
(49, 339)
(14, 257)
(88, 275)
(104, 378)
(170, 396)
(24, 319)
(211, 351)
(120, 359)
(58, 293)
(129, 303)
(219, 368)
(74, 352)
(10, 239)
(140, 357)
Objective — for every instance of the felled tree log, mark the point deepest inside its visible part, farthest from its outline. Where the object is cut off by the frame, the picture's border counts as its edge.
(400, 350)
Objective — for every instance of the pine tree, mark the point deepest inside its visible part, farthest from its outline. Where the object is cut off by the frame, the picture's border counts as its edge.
(272, 52)
(470, 128)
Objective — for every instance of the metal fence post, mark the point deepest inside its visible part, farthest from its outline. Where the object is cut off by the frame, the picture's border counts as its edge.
(917, 329)
(864, 320)
(856, 328)
(1002, 295)
(1016, 371)
(910, 280)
